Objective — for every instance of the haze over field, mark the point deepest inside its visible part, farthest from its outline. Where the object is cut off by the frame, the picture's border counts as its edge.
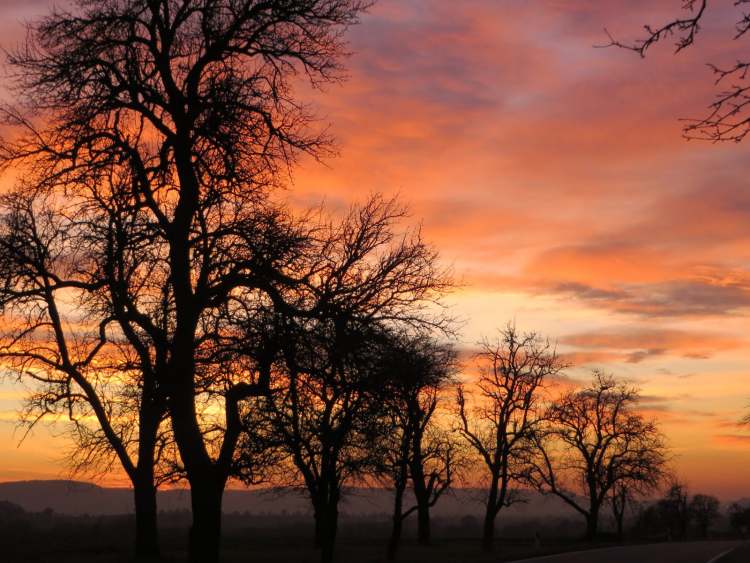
(554, 179)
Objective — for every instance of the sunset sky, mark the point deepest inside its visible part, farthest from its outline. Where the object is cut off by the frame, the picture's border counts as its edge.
(553, 177)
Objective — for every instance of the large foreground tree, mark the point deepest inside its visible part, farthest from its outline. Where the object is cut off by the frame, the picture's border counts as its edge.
(190, 104)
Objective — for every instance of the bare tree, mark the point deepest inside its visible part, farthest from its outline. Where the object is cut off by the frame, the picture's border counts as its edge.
(49, 273)
(705, 511)
(727, 119)
(325, 403)
(594, 439)
(638, 484)
(192, 104)
(323, 413)
(622, 497)
(415, 449)
(674, 509)
(498, 423)
(739, 519)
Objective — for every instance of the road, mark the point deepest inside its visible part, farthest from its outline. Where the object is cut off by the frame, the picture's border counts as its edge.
(689, 552)
(739, 555)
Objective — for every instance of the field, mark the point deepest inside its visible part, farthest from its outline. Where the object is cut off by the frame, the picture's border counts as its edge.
(66, 523)
(108, 540)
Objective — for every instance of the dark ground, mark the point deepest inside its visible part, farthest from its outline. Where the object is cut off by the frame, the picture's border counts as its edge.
(286, 537)
(264, 538)
(110, 542)
(285, 551)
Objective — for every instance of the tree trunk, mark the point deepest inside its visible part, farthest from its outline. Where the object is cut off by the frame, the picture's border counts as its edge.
(205, 531)
(619, 517)
(144, 488)
(146, 531)
(206, 479)
(206, 488)
(318, 539)
(619, 505)
(420, 487)
(592, 517)
(325, 500)
(592, 524)
(398, 523)
(327, 527)
(488, 533)
(423, 521)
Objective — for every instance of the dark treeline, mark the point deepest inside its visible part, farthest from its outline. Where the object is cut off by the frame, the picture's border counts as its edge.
(280, 535)
(677, 515)
(191, 326)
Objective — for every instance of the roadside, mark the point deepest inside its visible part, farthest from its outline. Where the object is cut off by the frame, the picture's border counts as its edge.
(673, 552)
(740, 554)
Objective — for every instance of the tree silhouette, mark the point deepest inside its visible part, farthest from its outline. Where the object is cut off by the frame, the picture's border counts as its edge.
(323, 411)
(739, 519)
(727, 119)
(499, 422)
(633, 485)
(51, 270)
(593, 440)
(191, 103)
(674, 509)
(621, 498)
(415, 449)
(705, 511)
(328, 385)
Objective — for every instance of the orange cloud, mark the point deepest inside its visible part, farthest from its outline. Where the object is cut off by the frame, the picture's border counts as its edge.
(636, 345)
(741, 441)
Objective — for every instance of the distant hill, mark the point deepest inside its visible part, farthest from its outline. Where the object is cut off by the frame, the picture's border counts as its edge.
(78, 498)
(67, 497)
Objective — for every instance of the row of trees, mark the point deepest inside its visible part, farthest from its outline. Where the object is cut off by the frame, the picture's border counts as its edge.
(588, 447)
(191, 326)
(676, 512)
